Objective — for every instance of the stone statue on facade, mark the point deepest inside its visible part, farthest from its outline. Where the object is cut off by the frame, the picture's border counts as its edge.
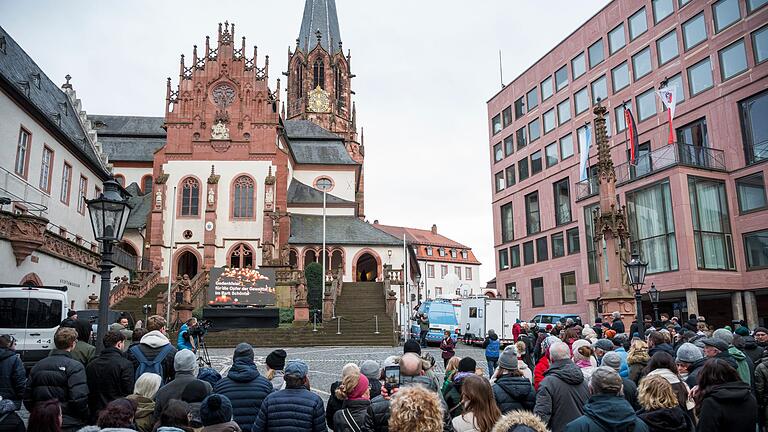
(267, 253)
(301, 294)
(185, 287)
(285, 255)
(158, 200)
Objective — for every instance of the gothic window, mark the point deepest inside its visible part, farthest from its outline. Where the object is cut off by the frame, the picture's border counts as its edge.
(299, 80)
(146, 184)
(293, 258)
(241, 256)
(242, 205)
(318, 72)
(190, 197)
(339, 76)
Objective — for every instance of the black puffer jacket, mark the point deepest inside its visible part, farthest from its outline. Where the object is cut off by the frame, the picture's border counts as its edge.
(13, 378)
(357, 409)
(666, 420)
(377, 417)
(729, 406)
(9, 420)
(246, 389)
(562, 395)
(514, 393)
(59, 376)
(110, 377)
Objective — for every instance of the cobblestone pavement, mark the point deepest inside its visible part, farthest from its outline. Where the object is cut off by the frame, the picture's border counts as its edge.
(325, 363)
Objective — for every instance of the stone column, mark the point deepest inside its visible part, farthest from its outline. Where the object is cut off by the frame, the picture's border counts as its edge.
(737, 309)
(750, 308)
(209, 235)
(591, 313)
(692, 301)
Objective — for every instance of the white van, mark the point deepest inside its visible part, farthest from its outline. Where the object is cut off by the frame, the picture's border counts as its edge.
(31, 315)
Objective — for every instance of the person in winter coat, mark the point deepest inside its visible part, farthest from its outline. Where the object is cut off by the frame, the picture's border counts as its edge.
(516, 330)
(629, 388)
(452, 395)
(450, 370)
(618, 347)
(84, 352)
(689, 358)
(761, 387)
(295, 409)
(563, 392)
(492, 345)
(174, 418)
(543, 364)
(519, 421)
(663, 364)
(46, 416)
(110, 375)
(155, 343)
(583, 357)
(9, 419)
(194, 394)
(216, 413)
(60, 377)
(752, 349)
(244, 387)
(447, 346)
(606, 410)
(185, 365)
(525, 362)
(143, 394)
(13, 377)
(372, 371)
(657, 342)
(511, 390)
(659, 408)
(355, 393)
(744, 365)
(122, 326)
(275, 362)
(617, 325)
(637, 360)
(723, 401)
(334, 402)
(480, 413)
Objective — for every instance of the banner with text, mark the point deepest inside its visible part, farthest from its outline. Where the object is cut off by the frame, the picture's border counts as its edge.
(241, 286)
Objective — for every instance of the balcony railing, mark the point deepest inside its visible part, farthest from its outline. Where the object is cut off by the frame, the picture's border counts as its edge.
(652, 162)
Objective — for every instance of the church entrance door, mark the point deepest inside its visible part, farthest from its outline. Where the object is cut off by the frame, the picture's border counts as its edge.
(367, 268)
(187, 264)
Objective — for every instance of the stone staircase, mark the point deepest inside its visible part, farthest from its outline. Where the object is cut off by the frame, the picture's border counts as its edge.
(355, 311)
(134, 305)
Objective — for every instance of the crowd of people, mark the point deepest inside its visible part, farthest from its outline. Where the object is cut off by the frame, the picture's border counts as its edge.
(568, 376)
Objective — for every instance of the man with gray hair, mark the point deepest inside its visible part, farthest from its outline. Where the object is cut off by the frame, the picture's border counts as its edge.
(617, 325)
(613, 360)
(186, 367)
(606, 410)
(563, 392)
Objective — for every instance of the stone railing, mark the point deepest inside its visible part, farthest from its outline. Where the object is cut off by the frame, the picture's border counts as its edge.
(124, 288)
(199, 288)
(288, 276)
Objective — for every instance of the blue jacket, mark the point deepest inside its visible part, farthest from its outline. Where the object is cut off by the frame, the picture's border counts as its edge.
(607, 413)
(13, 378)
(624, 370)
(181, 341)
(291, 410)
(492, 346)
(246, 389)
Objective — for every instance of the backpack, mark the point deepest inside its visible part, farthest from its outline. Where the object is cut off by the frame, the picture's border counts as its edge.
(146, 366)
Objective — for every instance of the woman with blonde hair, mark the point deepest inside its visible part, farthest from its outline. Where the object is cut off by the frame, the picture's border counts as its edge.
(637, 359)
(354, 391)
(480, 411)
(334, 402)
(144, 391)
(450, 371)
(660, 409)
(415, 408)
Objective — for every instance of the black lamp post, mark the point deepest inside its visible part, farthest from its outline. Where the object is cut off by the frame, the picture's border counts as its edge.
(109, 215)
(636, 274)
(653, 293)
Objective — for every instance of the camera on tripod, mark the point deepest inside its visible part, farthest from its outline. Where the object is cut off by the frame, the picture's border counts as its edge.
(201, 328)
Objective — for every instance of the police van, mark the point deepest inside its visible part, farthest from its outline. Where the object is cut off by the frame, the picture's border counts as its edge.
(31, 315)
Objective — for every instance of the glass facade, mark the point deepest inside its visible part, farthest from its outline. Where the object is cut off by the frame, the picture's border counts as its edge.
(652, 225)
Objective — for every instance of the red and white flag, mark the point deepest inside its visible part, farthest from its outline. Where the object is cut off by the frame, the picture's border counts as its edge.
(667, 96)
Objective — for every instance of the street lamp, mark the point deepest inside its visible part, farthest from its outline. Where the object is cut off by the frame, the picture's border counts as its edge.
(636, 274)
(109, 214)
(653, 293)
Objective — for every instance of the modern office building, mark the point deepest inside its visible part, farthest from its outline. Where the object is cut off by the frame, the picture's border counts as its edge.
(697, 207)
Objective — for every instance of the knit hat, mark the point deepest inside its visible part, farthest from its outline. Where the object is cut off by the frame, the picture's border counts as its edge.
(760, 330)
(604, 344)
(724, 335)
(688, 353)
(360, 388)
(184, 361)
(412, 346)
(716, 343)
(508, 358)
(547, 342)
(370, 369)
(742, 331)
(243, 353)
(215, 409)
(607, 379)
(575, 348)
(296, 368)
(612, 360)
(467, 364)
(276, 359)
(588, 332)
(609, 334)
(195, 391)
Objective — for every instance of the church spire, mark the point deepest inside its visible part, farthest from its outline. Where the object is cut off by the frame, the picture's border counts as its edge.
(319, 25)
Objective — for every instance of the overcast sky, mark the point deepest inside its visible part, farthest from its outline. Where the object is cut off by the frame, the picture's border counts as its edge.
(425, 70)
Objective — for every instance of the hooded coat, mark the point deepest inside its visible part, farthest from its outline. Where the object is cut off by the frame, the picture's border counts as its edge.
(357, 408)
(13, 378)
(514, 393)
(174, 389)
(752, 349)
(693, 372)
(678, 386)
(761, 387)
(744, 365)
(245, 388)
(607, 413)
(61, 377)
(519, 421)
(561, 395)
(667, 420)
(151, 345)
(637, 361)
(730, 407)
(291, 410)
(145, 409)
(9, 419)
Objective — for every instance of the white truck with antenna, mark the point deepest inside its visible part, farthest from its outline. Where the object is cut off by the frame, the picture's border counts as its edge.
(480, 314)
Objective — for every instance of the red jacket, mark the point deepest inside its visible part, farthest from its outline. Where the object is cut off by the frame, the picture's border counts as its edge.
(447, 346)
(516, 329)
(541, 367)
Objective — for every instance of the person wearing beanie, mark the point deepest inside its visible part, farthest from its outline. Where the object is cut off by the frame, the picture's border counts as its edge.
(412, 346)
(355, 393)
(275, 362)
(589, 334)
(543, 364)
(194, 394)
(216, 414)
(244, 387)
(752, 349)
(185, 365)
(613, 360)
(372, 371)
(511, 389)
(689, 359)
(744, 365)
(294, 409)
(583, 357)
(601, 347)
(742, 331)
(334, 402)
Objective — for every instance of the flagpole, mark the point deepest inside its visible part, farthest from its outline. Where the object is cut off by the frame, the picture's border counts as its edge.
(323, 252)
(172, 213)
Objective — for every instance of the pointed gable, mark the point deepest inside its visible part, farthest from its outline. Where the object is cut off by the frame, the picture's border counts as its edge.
(320, 15)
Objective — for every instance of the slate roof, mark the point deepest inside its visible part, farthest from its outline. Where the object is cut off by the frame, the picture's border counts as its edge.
(321, 152)
(22, 74)
(141, 206)
(320, 15)
(340, 230)
(130, 149)
(299, 193)
(117, 125)
(305, 129)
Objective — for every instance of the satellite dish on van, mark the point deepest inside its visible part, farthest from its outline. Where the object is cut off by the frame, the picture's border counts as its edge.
(451, 282)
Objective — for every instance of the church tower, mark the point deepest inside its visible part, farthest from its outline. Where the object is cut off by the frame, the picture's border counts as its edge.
(319, 80)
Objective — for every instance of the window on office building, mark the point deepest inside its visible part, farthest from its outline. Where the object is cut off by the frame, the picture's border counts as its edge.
(534, 130)
(620, 77)
(528, 257)
(503, 261)
(550, 152)
(616, 39)
(563, 111)
(694, 31)
(496, 124)
(562, 202)
(581, 101)
(652, 226)
(760, 44)
(751, 192)
(498, 153)
(568, 287)
(507, 223)
(509, 173)
(756, 249)
(514, 253)
(549, 121)
(522, 169)
(532, 97)
(753, 5)
(561, 78)
(599, 89)
(578, 65)
(537, 292)
(700, 77)
(522, 137)
(662, 9)
(711, 224)
(519, 108)
(536, 163)
(532, 215)
(558, 245)
(641, 63)
(566, 147)
(725, 13)
(638, 24)
(572, 235)
(666, 47)
(592, 257)
(499, 181)
(542, 253)
(596, 53)
(506, 117)
(546, 89)
(509, 145)
(754, 111)
(646, 104)
(733, 60)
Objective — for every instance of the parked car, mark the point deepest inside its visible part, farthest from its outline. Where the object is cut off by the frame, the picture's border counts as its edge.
(543, 319)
